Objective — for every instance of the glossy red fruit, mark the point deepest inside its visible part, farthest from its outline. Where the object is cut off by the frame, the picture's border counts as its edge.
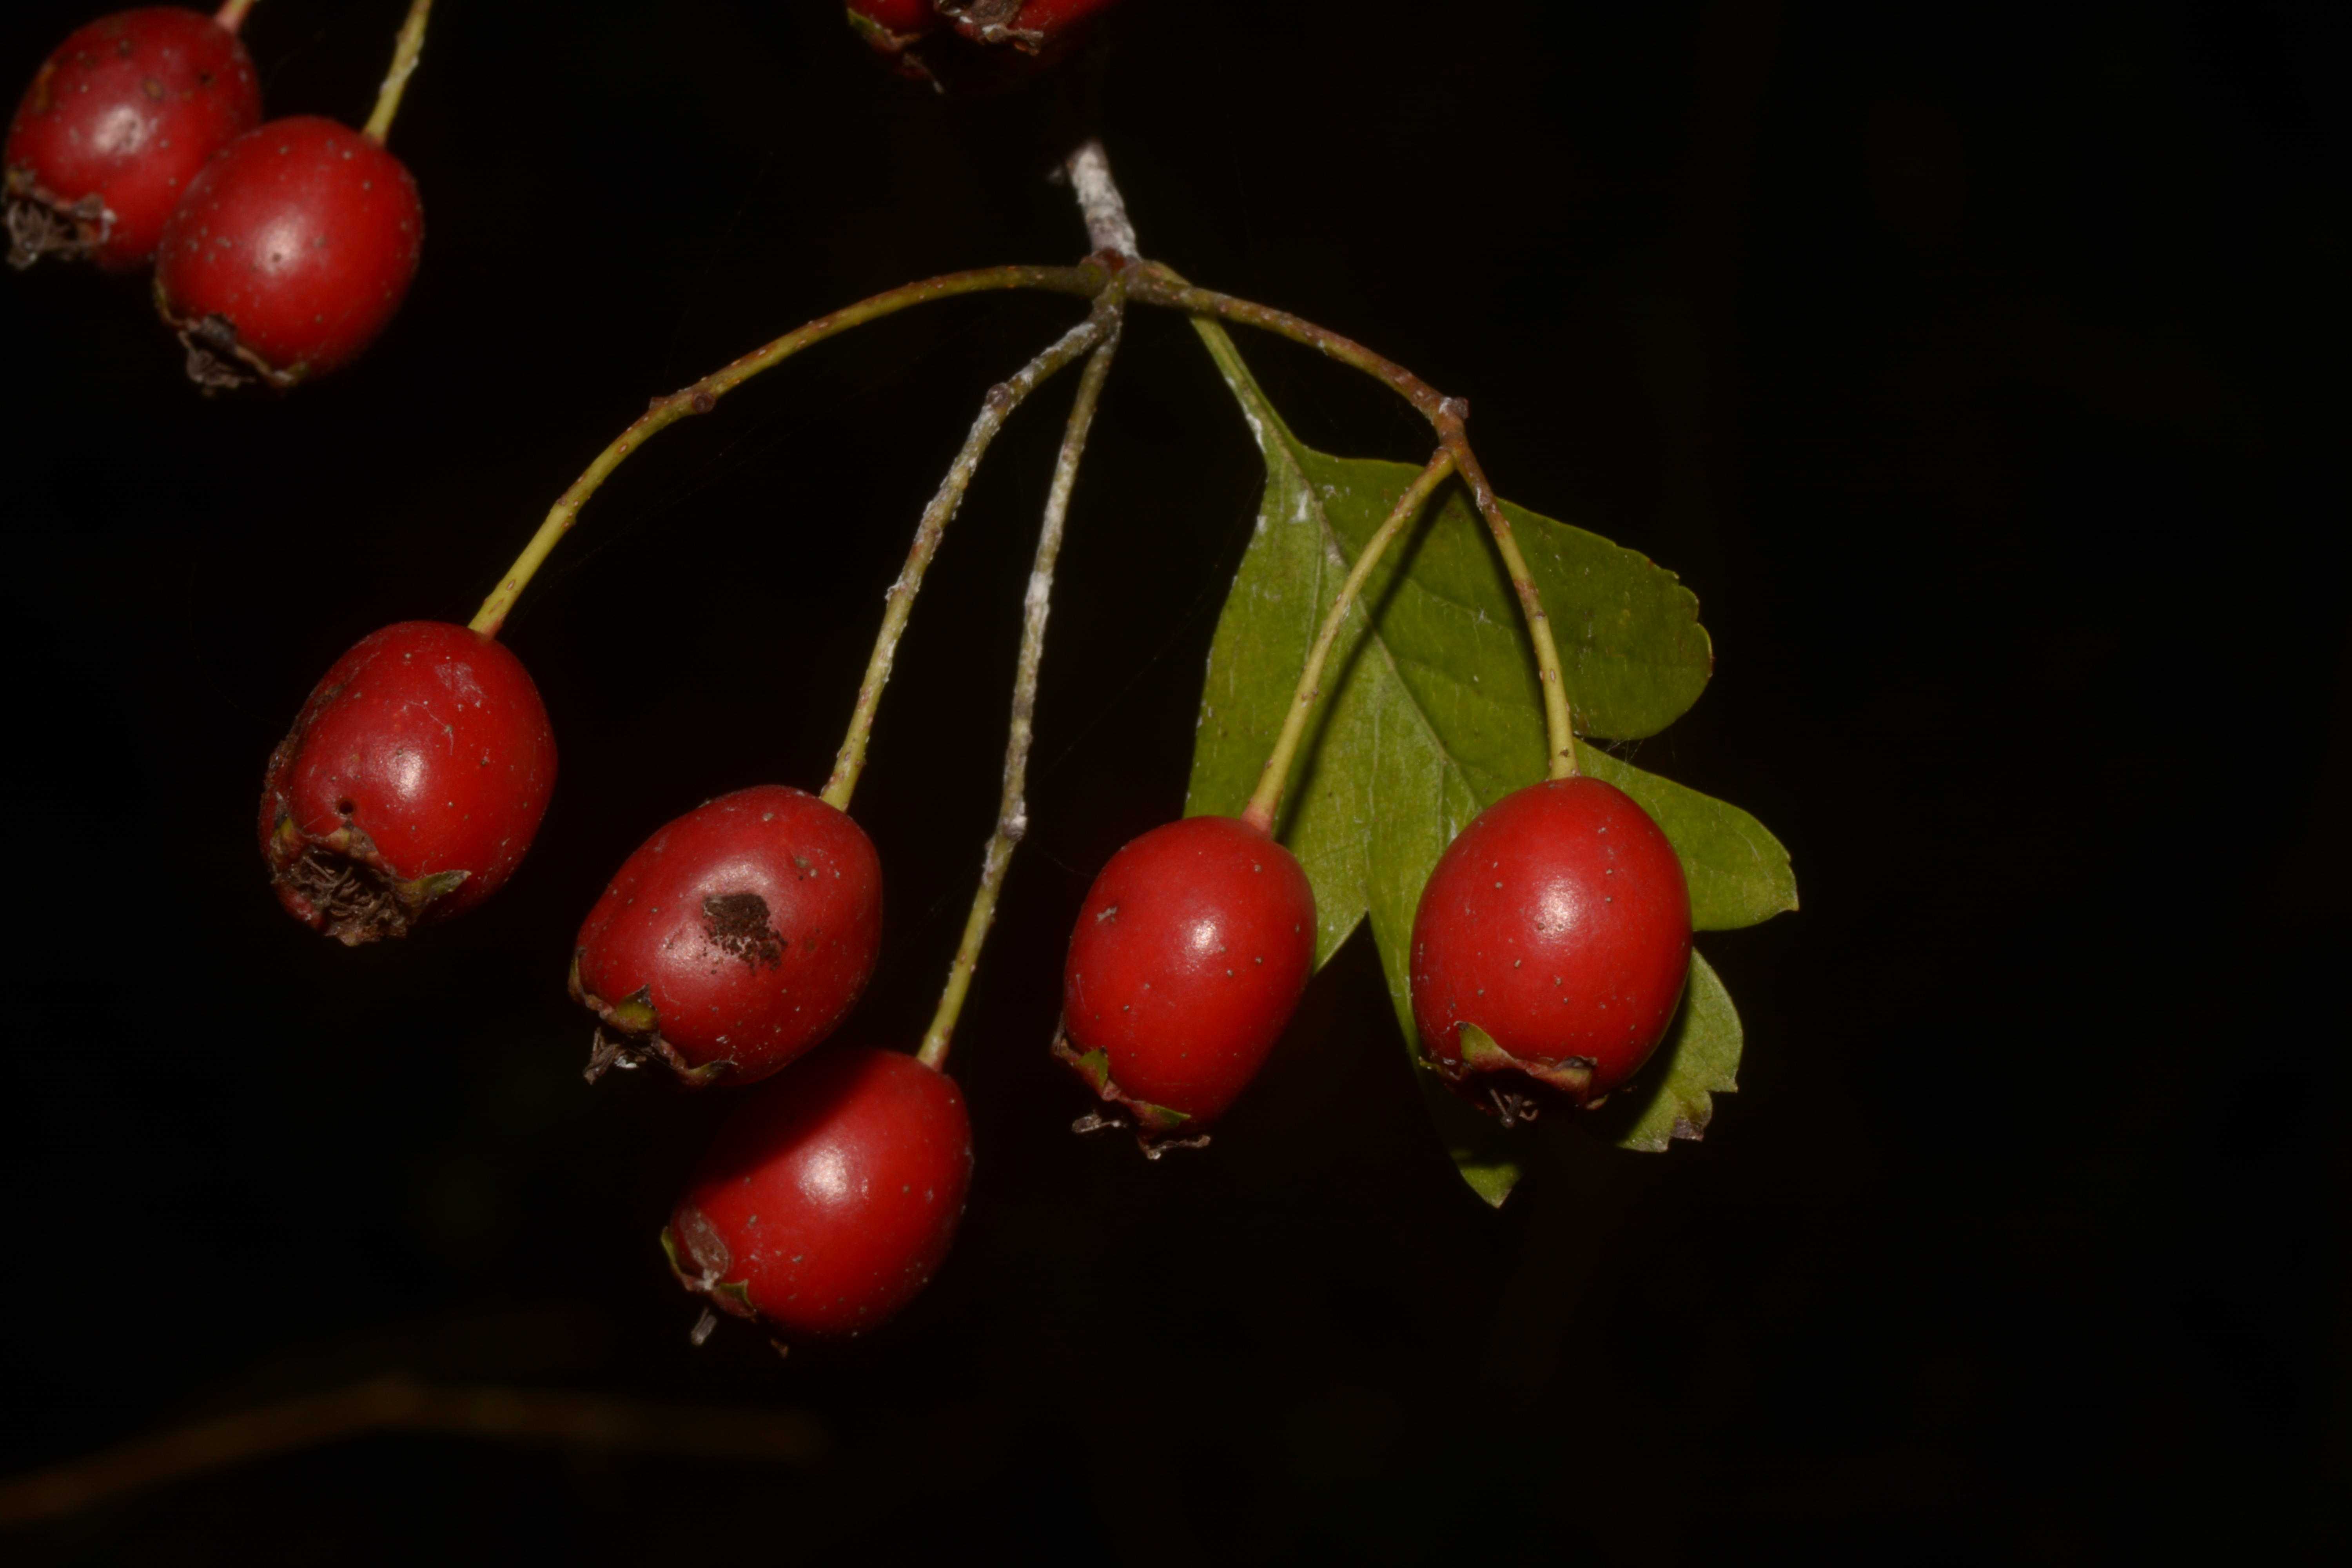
(410, 785)
(107, 139)
(1190, 952)
(1559, 924)
(733, 940)
(829, 1197)
(292, 249)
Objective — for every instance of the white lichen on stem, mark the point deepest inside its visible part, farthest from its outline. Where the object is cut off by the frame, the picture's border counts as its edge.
(1001, 401)
(1099, 201)
(1013, 811)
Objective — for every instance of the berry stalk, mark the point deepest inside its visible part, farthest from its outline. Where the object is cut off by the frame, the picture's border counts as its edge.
(1012, 813)
(1556, 725)
(231, 16)
(994, 409)
(1085, 282)
(406, 51)
(1266, 800)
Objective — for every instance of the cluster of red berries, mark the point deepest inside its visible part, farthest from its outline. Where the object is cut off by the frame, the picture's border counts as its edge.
(280, 249)
(1549, 954)
(732, 941)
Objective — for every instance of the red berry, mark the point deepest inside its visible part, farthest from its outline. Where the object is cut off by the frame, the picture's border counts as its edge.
(1559, 923)
(113, 129)
(293, 248)
(410, 785)
(1190, 951)
(734, 939)
(829, 1197)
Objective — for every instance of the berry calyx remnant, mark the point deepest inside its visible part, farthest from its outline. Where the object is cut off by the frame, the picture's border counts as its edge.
(411, 784)
(294, 246)
(1550, 947)
(115, 127)
(1190, 952)
(828, 1198)
(733, 940)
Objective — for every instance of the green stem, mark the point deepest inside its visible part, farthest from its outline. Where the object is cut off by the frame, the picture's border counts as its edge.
(231, 16)
(999, 404)
(1155, 284)
(1556, 725)
(404, 52)
(1267, 800)
(1085, 282)
(1013, 814)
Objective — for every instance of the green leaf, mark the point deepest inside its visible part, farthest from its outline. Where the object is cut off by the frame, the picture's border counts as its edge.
(1739, 873)
(1673, 1095)
(1431, 709)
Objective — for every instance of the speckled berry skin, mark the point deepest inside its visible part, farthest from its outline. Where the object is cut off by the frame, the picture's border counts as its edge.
(1190, 952)
(411, 784)
(734, 939)
(1558, 923)
(114, 128)
(293, 248)
(829, 1197)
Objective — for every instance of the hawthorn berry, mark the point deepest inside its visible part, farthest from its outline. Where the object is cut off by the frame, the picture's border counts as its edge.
(118, 123)
(410, 785)
(733, 940)
(1558, 923)
(1192, 949)
(829, 1197)
(291, 251)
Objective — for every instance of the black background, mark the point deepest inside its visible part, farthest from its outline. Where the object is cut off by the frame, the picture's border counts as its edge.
(1979, 365)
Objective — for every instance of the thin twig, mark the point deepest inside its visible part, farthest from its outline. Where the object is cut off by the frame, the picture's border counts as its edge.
(703, 396)
(1012, 813)
(399, 1403)
(405, 51)
(1001, 401)
(231, 16)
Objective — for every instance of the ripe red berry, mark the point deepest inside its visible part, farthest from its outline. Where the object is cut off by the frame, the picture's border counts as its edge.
(1559, 923)
(292, 249)
(115, 126)
(734, 939)
(410, 785)
(1190, 952)
(829, 1197)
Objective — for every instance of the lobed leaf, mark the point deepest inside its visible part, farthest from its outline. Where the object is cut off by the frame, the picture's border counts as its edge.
(1432, 712)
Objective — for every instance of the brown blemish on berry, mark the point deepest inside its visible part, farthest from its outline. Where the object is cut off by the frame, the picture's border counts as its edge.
(737, 924)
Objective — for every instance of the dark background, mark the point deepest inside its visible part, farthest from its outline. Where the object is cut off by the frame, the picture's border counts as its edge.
(1979, 365)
